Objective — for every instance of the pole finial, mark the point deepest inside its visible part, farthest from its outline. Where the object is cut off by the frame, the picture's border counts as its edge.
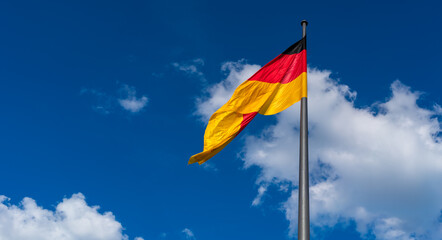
(304, 21)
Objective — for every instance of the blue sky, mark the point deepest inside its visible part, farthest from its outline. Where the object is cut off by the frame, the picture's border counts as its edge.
(107, 99)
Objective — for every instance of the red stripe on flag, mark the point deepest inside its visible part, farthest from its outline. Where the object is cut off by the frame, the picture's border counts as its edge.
(283, 69)
(246, 118)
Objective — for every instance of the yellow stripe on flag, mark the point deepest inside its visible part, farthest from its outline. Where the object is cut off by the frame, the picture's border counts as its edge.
(251, 96)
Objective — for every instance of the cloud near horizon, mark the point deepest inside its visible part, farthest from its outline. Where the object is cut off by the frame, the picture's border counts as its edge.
(72, 219)
(379, 166)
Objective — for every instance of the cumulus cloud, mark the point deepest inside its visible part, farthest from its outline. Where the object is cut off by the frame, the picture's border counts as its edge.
(188, 233)
(379, 166)
(129, 100)
(72, 219)
(191, 68)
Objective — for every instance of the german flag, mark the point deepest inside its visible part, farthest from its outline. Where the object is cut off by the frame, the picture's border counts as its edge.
(275, 87)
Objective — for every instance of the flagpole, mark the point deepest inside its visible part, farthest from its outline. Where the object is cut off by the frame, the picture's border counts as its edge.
(303, 202)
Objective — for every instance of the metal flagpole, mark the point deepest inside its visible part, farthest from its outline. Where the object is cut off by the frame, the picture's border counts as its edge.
(303, 202)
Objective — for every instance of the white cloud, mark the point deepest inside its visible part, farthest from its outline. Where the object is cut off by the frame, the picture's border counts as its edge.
(258, 199)
(379, 166)
(72, 219)
(129, 100)
(105, 103)
(191, 68)
(188, 233)
(390, 228)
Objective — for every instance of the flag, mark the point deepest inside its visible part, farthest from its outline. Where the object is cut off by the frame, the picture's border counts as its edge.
(275, 87)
